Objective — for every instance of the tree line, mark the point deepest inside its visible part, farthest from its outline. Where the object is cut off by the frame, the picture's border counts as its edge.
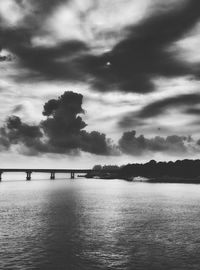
(184, 169)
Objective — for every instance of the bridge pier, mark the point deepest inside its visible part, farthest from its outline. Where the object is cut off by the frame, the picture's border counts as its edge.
(28, 175)
(72, 175)
(1, 175)
(52, 177)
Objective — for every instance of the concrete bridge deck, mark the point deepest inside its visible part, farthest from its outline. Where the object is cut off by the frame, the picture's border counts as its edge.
(52, 172)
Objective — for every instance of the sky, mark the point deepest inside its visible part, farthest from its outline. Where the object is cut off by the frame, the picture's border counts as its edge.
(98, 82)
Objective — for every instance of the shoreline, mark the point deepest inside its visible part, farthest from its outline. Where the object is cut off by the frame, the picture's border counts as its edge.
(164, 179)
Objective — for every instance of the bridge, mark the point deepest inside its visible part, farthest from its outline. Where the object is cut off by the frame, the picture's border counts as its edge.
(52, 172)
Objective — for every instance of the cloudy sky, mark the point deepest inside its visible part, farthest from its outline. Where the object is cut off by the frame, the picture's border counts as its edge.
(98, 81)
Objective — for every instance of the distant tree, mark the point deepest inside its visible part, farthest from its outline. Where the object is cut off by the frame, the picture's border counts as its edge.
(110, 168)
(97, 168)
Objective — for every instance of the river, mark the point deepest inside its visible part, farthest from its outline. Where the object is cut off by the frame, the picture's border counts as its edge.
(99, 224)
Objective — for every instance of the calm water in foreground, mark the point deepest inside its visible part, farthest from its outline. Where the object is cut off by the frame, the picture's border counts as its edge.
(98, 224)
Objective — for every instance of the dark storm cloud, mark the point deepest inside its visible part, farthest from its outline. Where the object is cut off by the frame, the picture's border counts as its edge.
(55, 63)
(4, 58)
(14, 39)
(58, 62)
(132, 145)
(63, 125)
(184, 102)
(61, 132)
(15, 132)
(193, 111)
(130, 120)
(144, 54)
(130, 66)
(198, 142)
(159, 107)
(97, 143)
(47, 5)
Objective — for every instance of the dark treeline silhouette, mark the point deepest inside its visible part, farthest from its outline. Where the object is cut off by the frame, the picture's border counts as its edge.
(111, 168)
(164, 171)
(105, 172)
(178, 171)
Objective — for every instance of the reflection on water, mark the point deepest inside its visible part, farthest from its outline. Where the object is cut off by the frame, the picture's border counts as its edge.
(97, 224)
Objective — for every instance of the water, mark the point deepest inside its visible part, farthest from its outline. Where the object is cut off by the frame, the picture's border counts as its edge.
(99, 224)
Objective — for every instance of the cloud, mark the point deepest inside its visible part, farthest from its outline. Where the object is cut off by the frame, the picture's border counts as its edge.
(184, 105)
(63, 126)
(5, 56)
(97, 23)
(174, 144)
(193, 111)
(130, 120)
(145, 52)
(18, 108)
(62, 132)
(157, 108)
(11, 13)
(59, 62)
(97, 143)
(17, 12)
(141, 54)
(55, 63)
(45, 6)
(15, 132)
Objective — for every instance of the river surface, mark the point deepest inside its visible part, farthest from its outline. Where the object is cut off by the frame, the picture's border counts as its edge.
(99, 224)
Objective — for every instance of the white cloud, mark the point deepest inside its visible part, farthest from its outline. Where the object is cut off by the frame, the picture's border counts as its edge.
(99, 23)
(188, 48)
(13, 13)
